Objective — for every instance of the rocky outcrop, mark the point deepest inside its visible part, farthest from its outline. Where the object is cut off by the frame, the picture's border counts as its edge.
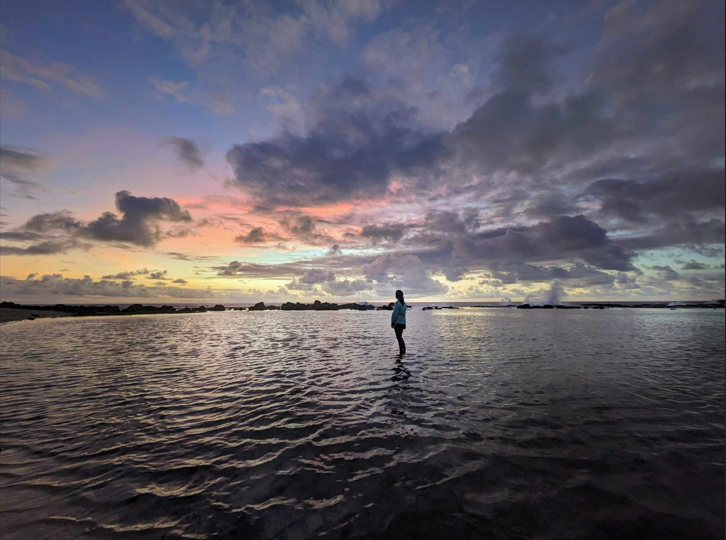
(324, 306)
(133, 309)
(218, 307)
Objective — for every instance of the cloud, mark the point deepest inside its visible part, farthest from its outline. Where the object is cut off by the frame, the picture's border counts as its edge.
(55, 287)
(187, 151)
(159, 275)
(391, 271)
(262, 37)
(176, 89)
(180, 281)
(127, 275)
(299, 226)
(51, 221)
(15, 164)
(264, 271)
(703, 236)
(188, 257)
(347, 287)
(689, 191)
(217, 101)
(61, 232)
(257, 235)
(314, 276)
(695, 265)
(571, 163)
(666, 273)
(139, 222)
(348, 153)
(524, 63)
(392, 232)
(49, 247)
(45, 75)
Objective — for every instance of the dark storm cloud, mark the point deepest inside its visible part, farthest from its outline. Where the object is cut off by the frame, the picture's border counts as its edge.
(668, 197)
(391, 232)
(554, 203)
(350, 152)
(138, 224)
(187, 152)
(511, 133)
(658, 51)
(695, 265)
(447, 222)
(560, 238)
(662, 64)
(688, 233)
(524, 63)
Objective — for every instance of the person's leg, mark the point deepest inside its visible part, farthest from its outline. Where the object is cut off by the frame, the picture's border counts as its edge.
(399, 338)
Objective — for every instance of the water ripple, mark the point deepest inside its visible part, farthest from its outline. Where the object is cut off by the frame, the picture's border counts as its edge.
(497, 424)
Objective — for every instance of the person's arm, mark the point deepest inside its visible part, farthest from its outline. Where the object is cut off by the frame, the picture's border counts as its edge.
(394, 315)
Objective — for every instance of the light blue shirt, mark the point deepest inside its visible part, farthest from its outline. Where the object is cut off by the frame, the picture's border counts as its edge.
(399, 313)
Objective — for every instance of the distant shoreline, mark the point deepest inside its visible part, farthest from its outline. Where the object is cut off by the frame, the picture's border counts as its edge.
(10, 311)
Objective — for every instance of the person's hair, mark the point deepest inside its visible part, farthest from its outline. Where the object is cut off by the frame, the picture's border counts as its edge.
(399, 295)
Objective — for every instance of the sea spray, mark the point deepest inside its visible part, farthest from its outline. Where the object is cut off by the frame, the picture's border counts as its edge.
(552, 297)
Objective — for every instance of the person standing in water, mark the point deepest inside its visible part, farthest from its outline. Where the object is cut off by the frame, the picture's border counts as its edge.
(398, 320)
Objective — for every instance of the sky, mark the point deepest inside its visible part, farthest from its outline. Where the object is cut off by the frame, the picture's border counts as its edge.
(237, 151)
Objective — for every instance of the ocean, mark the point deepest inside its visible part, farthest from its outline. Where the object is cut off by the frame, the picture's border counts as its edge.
(497, 423)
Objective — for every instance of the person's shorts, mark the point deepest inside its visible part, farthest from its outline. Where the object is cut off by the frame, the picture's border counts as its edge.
(400, 326)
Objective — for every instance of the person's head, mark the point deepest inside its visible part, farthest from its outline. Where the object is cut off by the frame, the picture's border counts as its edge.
(399, 296)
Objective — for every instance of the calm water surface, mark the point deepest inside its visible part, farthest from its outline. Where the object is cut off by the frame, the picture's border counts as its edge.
(497, 424)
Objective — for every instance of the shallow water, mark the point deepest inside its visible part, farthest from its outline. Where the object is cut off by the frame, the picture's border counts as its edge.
(496, 424)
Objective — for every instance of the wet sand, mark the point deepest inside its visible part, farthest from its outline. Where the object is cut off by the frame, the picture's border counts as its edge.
(9, 315)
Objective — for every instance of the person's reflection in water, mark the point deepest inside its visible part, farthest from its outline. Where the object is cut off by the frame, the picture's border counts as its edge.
(400, 399)
(400, 372)
(398, 321)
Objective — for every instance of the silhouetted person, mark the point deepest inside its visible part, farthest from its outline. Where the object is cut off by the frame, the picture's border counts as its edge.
(398, 320)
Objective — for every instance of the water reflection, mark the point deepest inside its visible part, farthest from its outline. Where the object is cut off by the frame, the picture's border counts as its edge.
(295, 425)
(401, 373)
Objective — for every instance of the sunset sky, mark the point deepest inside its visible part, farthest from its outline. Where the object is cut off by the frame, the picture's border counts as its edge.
(237, 151)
